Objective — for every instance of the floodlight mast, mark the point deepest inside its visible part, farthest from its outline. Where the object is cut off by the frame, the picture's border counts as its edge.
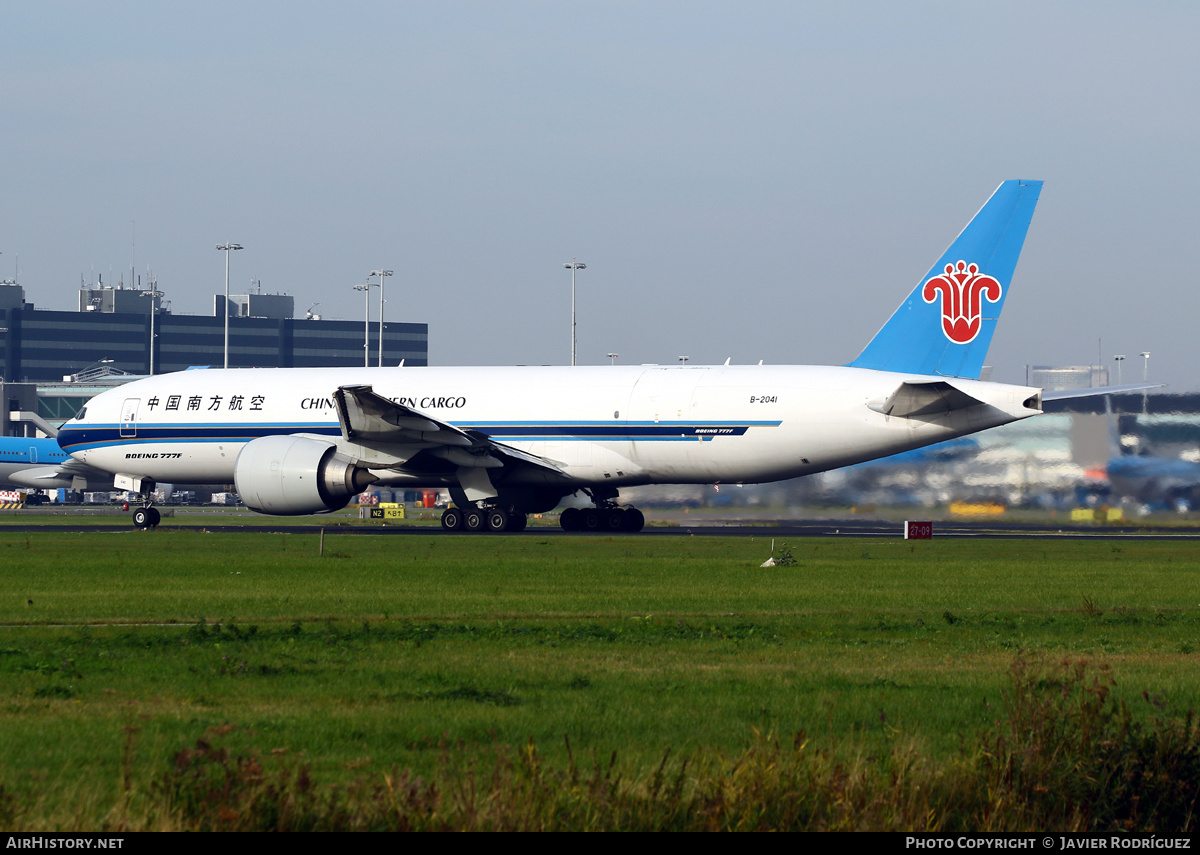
(380, 274)
(153, 294)
(1145, 373)
(573, 265)
(366, 289)
(226, 248)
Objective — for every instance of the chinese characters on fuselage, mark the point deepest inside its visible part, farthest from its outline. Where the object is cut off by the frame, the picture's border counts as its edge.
(196, 403)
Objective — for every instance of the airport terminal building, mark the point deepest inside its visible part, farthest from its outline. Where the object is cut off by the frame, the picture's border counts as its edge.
(129, 331)
(52, 362)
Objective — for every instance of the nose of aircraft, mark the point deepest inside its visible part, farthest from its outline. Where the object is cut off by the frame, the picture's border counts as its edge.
(74, 433)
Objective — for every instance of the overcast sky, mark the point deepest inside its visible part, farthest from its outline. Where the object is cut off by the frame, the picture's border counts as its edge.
(746, 180)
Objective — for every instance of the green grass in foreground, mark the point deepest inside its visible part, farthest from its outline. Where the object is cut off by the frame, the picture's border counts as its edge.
(117, 651)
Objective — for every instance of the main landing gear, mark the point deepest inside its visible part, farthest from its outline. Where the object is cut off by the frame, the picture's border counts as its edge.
(605, 517)
(475, 519)
(500, 514)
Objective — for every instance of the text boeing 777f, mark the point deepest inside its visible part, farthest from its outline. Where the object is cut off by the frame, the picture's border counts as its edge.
(508, 441)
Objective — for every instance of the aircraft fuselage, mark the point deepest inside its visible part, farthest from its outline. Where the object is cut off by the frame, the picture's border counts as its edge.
(609, 425)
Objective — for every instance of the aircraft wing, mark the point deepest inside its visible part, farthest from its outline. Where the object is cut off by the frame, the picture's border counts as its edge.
(367, 417)
(371, 419)
(70, 473)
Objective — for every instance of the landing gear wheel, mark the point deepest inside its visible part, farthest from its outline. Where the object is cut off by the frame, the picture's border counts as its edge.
(614, 519)
(570, 519)
(497, 520)
(593, 519)
(517, 522)
(474, 519)
(635, 520)
(145, 518)
(452, 519)
(155, 516)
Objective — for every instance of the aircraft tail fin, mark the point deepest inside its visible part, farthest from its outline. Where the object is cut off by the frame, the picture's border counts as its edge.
(944, 327)
(1114, 431)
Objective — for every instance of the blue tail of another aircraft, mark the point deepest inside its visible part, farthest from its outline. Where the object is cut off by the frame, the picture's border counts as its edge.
(945, 325)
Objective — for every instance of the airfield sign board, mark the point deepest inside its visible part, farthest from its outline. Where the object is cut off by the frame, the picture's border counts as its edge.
(918, 530)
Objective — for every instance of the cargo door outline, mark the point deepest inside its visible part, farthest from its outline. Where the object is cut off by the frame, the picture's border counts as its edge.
(662, 395)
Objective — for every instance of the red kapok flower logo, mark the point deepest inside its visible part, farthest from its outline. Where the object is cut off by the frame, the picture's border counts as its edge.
(961, 288)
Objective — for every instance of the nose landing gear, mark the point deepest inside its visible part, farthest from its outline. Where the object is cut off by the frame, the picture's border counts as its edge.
(147, 516)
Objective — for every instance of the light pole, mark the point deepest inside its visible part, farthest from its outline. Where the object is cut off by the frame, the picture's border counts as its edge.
(380, 274)
(1120, 357)
(366, 289)
(613, 357)
(1145, 374)
(154, 294)
(573, 265)
(683, 360)
(226, 248)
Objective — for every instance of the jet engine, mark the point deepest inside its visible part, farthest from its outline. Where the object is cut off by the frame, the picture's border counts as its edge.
(285, 475)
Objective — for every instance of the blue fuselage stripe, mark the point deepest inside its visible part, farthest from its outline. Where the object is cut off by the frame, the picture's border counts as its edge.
(98, 436)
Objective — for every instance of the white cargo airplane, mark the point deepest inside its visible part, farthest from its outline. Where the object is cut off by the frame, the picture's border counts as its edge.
(512, 441)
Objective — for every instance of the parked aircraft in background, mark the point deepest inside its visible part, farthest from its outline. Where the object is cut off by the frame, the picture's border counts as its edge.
(1156, 482)
(951, 451)
(509, 441)
(42, 464)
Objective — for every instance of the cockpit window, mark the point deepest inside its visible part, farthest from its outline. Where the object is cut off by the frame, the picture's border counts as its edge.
(82, 412)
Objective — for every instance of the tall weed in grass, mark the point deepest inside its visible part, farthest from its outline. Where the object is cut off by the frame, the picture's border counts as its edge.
(772, 785)
(1066, 756)
(1070, 756)
(8, 809)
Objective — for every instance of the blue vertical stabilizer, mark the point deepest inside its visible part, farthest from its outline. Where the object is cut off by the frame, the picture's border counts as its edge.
(945, 325)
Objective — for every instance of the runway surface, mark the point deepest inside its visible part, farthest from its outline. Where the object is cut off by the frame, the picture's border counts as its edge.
(701, 528)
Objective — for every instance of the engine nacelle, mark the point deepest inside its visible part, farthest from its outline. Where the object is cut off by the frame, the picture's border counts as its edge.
(285, 475)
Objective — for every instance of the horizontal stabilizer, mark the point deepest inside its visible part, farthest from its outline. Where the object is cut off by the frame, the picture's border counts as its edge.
(924, 399)
(1092, 392)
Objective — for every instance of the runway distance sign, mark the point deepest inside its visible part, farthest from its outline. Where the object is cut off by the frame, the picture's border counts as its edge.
(918, 530)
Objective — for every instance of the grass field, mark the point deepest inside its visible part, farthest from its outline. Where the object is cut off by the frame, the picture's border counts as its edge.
(118, 651)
